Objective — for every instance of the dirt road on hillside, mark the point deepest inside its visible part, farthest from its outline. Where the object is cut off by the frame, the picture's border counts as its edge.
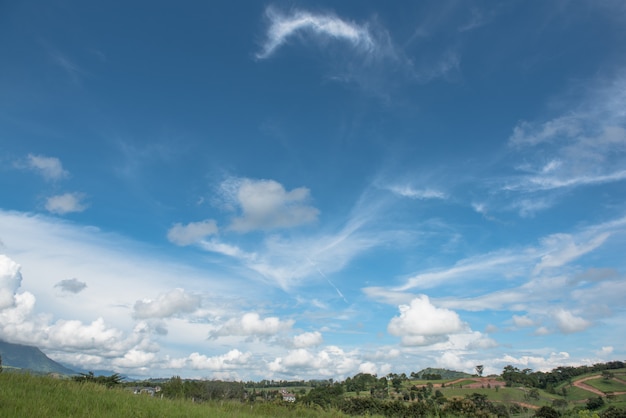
(581, 384)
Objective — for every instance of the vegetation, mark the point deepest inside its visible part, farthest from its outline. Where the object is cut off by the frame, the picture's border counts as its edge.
(588, 391)
(25, 395)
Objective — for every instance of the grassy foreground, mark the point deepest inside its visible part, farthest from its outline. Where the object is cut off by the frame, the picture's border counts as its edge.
(25, 395)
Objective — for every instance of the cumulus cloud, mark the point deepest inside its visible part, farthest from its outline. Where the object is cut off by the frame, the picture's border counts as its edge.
(76, 335)
(191, 233)
(167, 305)
(569, 323)
(10, 281)
(522, 321)
(66, 203)
(422, 323)
(71, 341)
(71, 285)
(537, 362)
(265, 205)
(307, 339)
(134, 358)
(50, 168)
(605, 351)
(252, 325)
(231, 360)
(329, 361)
(323, 26)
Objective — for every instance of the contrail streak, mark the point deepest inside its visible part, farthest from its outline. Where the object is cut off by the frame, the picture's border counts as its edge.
(328, 280)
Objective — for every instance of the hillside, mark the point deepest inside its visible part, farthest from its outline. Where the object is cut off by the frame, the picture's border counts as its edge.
(30, 358)
(444, 373)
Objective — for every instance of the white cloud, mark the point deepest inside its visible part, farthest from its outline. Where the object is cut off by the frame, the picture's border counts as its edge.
(192, 232)
(98, 327)
(71, 285)
(232, 360)
(49, 167)
(66, 203)
(76, 335)
(134, 358)
(215, 246)
(308, 339)
(583, 147)
(482, 264)
(569, 323)
(454, 361)
(563, 249)
(536, 362)
(10, 281)
(282, 27)
(265, 204)
(420, 194)
(330, 361)
(554, 252)
(166, 305)
(523, 321)
(369, 368)
(421, 323)
(529, 134)
(251, 325)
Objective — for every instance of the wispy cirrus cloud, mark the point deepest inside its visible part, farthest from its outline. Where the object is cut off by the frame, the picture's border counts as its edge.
(285, 259)
(585, 146)
(419, 194)
(526, 280)
(370, 58)
(322, 26)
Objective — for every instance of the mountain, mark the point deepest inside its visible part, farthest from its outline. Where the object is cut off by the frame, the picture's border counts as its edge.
(444, 373)
(30, 358)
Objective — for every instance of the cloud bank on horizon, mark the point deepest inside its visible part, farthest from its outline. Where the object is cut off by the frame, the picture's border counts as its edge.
(297, 193)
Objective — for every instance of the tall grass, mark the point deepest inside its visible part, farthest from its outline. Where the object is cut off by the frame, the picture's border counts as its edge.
(25, 395)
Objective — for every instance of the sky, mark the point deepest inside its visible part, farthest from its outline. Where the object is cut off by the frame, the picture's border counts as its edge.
(311, 190)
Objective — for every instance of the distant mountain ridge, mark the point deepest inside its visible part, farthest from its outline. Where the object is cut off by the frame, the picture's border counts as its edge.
(30, 358)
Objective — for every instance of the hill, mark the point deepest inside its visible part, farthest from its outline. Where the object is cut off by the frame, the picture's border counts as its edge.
(30, 358)
(444, 373)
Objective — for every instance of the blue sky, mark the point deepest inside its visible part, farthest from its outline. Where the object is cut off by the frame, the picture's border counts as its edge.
(297, 190)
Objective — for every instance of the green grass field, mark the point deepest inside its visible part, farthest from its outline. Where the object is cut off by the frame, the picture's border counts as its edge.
(607, 386)
(24, 395)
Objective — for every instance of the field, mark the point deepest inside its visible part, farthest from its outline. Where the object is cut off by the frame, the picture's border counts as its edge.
(607, 386)
(24, 395)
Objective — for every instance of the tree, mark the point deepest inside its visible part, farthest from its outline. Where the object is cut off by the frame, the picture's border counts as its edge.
(613, 412)
(0, 364)
(479, 369)
(607, 375)
(547, 412)
(174, 388)
(595, 403)
(396, 382)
